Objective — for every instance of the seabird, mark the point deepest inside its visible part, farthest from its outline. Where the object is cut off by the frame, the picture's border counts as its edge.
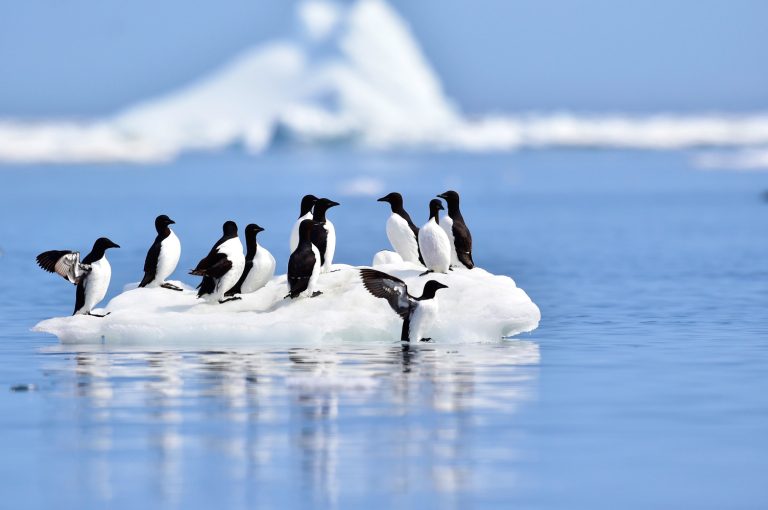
(91, 275)
(418, 313)
(222, 267)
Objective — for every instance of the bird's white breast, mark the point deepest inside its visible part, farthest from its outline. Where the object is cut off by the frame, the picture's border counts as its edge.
(262, 271)
(315, 273)
(330, 246)
(233, 249)
(170, 251)
(97, 283)
(447, 223)
(422, 319)
(402, 238)
(295, 231)
(435, 247)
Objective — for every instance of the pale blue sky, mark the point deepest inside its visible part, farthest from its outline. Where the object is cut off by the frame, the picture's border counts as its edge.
(89, 57)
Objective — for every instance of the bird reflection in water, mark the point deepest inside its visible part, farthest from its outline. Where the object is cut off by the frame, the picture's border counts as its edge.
(328, 423)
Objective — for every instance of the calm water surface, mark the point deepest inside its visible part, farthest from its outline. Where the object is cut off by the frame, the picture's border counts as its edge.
(644, 387)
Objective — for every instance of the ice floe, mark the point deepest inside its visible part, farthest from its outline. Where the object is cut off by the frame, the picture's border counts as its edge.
(477, 307)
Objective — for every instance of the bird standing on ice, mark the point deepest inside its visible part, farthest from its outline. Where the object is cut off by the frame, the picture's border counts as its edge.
(259, 264)
(91, 275)
(401, 232)
(418, 313)
(222, 267)
(324, 233)
(163, 256)
(434, 243)
(457, 231)
(304, 264)
(305, 213)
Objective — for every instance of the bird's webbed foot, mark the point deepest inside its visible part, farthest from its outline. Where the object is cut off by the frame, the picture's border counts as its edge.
(316, 293)
(426, 272)
(171, 286)
(234, 298)
(98, 314)
(426, 340)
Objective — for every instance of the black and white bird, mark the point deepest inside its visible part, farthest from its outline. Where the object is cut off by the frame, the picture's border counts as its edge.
(418, 313)
(305, 213)
(222, 267)
(324, 233)
(259, 264)
(163, 256)
(434, 243)
(304, 264)
(91, 274)
(458, 233)
(401, 232)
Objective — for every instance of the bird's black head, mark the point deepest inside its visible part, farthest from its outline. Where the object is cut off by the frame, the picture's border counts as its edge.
(162, 222)
(229, 228)
(306, 204)
(103, 243)
(434, 207)
(430, 288)
(305, 229)
(322, 205)
(450, 197)
(394, 199)
(253, 229)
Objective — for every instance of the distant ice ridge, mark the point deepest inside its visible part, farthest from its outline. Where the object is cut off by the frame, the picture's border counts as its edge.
(356, 75)
(477, 307)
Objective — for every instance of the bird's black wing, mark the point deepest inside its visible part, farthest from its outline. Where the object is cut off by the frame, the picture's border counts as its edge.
(215, 267)
(64, 263)
(415, 231)
(221, 264)
(300, 266)
(385, 286)
(319, 238)
(79, 296)
(463, 243)
(150, 263)
(207, 262)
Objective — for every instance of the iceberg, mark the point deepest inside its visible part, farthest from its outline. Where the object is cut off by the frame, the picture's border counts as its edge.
(354, 75)
(476, 307)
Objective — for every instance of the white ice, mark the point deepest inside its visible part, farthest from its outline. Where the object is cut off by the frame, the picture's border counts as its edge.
(477, 307)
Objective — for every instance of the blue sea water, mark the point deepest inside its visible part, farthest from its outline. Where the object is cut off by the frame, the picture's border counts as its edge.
(643, 387)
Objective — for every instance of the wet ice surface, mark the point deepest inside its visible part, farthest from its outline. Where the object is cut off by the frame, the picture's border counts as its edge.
(643, 387)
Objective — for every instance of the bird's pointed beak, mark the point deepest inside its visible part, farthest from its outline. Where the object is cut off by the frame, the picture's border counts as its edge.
(171, 222)
(333, 204)
(115, 245)
(440, 207)
(382, 199)
(441, 195)
(259, 229)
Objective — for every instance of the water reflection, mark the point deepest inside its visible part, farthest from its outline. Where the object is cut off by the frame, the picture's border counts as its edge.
(330, 424)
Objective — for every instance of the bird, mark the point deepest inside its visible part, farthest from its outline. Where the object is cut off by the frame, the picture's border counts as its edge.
(458, 233)
(401, 232)
(163, 256)
(305, 213)
(222, 267)
(324, 233)
(91, 274)
(434, 243)
(304, 264)
(259, 264)
(418, 313)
